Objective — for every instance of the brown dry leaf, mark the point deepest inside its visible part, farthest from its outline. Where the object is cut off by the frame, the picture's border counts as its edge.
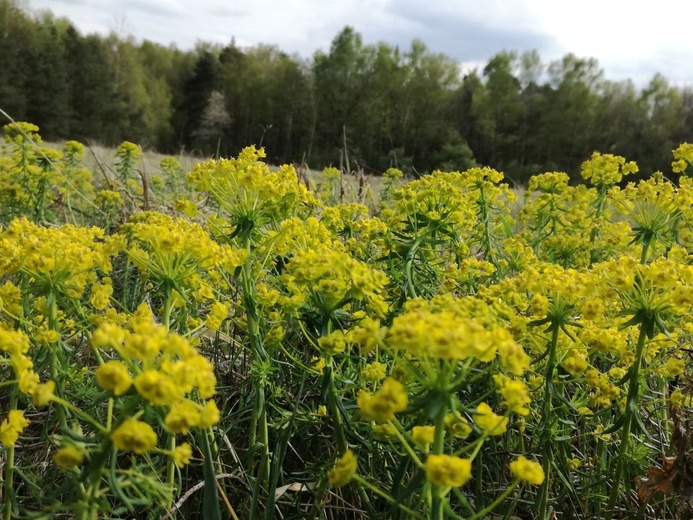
(658, 479)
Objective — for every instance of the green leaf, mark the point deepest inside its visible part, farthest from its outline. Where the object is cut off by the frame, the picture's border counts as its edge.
(210, 502)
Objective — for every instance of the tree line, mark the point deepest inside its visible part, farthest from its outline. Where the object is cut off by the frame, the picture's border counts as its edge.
(413, 109)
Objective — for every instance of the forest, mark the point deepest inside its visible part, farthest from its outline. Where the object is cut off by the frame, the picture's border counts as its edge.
(411, 109)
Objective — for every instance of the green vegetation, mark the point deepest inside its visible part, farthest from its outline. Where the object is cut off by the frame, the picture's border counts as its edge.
(233, 342)
(410, 109)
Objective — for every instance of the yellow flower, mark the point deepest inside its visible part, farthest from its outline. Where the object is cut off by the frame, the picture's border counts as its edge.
(607, 169)
(617, 373)
(448, 471)
(575, 363)
(209, 415)
(488, 421)
(512, 356)
(217, 314)
(515, 392)
(68, 457)
(113, 375)
(539, 305)
(385, 403)
(28, 381)
(319, 364)
(458, 426)
(423, 435)
(592, 308)
(527, 470)
(574, 463)
(43, 394)
(46, 337)
(182, 454)
(333, 343)
(676, 398)
(182, 417)
(145, 346)
(393, 173)
(157, 388)
(374, 371)
(108, 335)
(12, 427)
(135, 436)
(101, 295)
(343, 470)
(673, 367)
(384, 431)
(186, 206)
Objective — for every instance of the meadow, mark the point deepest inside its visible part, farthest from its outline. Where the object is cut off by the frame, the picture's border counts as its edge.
(220, 339)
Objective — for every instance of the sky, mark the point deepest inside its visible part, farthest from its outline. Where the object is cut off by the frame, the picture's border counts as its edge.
(631, 39)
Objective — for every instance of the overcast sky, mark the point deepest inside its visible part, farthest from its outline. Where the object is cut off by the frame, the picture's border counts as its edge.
(631, 39)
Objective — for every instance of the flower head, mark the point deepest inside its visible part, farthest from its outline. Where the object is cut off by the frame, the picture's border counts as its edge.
(135, 436)
(449, 471)
(344, 470)
(527, 470)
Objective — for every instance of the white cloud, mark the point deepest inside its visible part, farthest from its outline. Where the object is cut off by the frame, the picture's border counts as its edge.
(629, 38)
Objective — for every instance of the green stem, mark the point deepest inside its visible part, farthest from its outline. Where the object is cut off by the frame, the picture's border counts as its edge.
(405, 443)
(629, 414)
(334, 408)
(170, 464)
(362, 481)
(87, 418)
(170, 469)
(409, 264)
(645, 250)
(168, 304)
(259, 418)
(545, 427)
(54, 362)
(486, 246)
(597, 215)
(498, 501)
(92, 510)
(437, 501)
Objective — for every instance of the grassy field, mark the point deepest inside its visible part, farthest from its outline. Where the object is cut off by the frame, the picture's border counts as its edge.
(225, 339)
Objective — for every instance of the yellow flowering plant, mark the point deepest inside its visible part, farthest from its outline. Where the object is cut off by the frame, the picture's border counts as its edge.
(253, 349)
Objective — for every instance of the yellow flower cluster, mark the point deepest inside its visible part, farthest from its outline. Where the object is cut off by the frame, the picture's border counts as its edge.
(447, 335)
(344, 470)
(550, 182)
(83, 252)
(382, 406)
(172, 251)
(393, 173)
(439, 196)
(489, 422)
(683, 157)
(68, 457)
(606, 169)
(16, 344)
(527, 470)
(12, 427)
(163, 368)
(423, 435)
(515, 393)
(135, 436)
(107, 199)
(244, 183)
(335, 278)
(374, 371)
(448, 471)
